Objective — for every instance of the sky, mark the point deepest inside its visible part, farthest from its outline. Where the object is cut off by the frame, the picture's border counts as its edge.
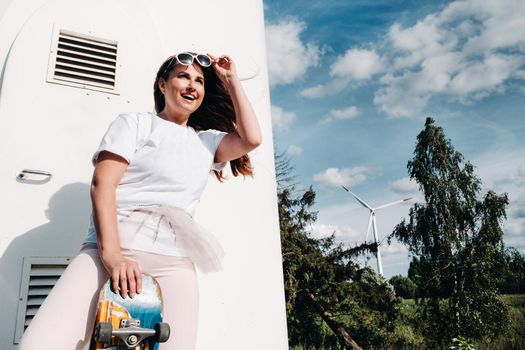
(352, 83)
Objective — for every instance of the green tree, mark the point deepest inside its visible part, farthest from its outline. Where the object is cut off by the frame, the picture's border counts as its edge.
(415, 273)
(403, 286)
(456, 240)
(514, 273)
(331, 302)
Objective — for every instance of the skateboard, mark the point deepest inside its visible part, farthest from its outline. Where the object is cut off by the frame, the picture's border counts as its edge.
(130, 323)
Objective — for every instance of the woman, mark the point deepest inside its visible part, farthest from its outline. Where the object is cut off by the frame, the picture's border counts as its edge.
(150, 170)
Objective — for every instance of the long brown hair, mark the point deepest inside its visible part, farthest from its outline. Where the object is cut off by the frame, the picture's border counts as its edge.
(215, 112)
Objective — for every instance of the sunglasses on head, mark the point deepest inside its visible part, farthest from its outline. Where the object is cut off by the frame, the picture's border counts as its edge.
(187, 59)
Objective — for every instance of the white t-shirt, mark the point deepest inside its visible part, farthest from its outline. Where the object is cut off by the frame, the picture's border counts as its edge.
(169, 164)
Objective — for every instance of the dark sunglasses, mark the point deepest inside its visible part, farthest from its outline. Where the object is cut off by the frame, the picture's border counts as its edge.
(187, 59)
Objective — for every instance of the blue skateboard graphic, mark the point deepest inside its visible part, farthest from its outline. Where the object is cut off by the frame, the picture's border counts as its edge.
(130, 323)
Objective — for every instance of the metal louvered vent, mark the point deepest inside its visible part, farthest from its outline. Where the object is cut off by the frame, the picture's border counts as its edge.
(39, 275)
(83, 61)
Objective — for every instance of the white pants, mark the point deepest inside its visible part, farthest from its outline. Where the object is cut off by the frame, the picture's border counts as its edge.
(66, 319)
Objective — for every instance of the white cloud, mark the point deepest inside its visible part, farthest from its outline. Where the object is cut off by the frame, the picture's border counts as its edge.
(295, 150)
(483, 77)
(341, 114)
(288, 57)
(517, 242)
(314, 91)
(345, 234)
(395, 248)
(414, 44)
(398, 102)
(465, 53)
(357, 64)
(520, 74)
(502, 170)
(335, 177)
(333, 87)
(514, 227)
(502, 22)
(404, 186)
(281, 120)
(518, 211)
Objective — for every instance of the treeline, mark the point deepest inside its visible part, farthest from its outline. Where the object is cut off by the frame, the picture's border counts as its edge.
(459, 268)
(512, 277)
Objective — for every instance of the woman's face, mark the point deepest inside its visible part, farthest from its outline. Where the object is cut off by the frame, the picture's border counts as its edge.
(184, 89)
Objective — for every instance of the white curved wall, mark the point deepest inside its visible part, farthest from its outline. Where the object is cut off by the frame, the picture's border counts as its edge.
(241, 307)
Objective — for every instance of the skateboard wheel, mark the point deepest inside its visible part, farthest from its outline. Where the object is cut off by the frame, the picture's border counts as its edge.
(162, 332)
(103, 332)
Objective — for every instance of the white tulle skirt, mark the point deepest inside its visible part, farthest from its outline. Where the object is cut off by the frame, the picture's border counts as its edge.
(161, 229)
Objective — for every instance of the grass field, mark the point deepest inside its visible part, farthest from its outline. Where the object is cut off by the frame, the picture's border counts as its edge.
(405, 329)
(514, 339)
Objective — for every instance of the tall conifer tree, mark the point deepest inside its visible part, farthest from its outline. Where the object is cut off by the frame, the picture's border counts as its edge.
(332, 302)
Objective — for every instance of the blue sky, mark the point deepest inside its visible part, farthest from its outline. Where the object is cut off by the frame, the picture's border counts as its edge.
(351, 86)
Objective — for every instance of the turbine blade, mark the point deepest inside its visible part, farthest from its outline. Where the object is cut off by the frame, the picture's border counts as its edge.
(358, 199)
(393, 203)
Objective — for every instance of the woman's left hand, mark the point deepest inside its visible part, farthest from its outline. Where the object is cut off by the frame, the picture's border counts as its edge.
(224, 67)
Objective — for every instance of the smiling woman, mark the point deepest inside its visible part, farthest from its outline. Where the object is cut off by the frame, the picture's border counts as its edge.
(150, 172)
(220, 97)
(183, 91)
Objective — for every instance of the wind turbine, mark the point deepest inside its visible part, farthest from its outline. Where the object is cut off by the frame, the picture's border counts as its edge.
(372, 223)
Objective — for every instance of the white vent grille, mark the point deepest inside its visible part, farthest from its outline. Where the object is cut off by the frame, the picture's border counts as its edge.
(39, 275)
(83, 61)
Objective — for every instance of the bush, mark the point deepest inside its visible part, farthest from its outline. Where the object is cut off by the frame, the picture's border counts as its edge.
(403, 286)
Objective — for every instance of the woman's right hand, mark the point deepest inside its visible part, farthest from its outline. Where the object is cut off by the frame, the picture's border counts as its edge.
(125, 274)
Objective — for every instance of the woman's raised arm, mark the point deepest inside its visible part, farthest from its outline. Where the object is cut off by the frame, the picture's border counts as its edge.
(248, 135)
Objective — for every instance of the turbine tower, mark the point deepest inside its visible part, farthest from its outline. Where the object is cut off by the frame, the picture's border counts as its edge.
(372, 223)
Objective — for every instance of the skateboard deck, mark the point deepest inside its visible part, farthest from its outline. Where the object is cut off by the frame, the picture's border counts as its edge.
(130, 323)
